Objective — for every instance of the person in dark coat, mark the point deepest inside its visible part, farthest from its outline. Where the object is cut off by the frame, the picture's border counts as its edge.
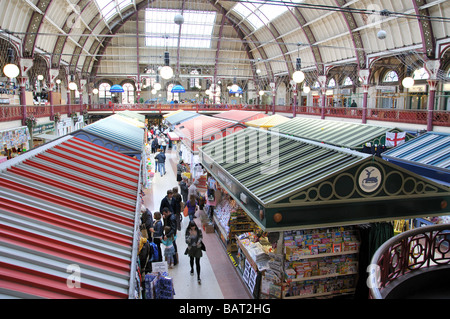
(155, 145)
(177, 207)
(161, 158)
(184, 189)
(171, 221)
(168, 202)
(194, 238)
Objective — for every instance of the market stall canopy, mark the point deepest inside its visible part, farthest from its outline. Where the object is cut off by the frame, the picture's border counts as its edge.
(427, 155)
(68, 206)
(350, 135)
(203, 129)
(285, 182)
(236, 90)
(116, 89)
(181, 117)
(116, 134)
(178, 89)
(173, 136)
(240, 116)
(129, 120)
(269, 121)
(133, 115)
(172, 113)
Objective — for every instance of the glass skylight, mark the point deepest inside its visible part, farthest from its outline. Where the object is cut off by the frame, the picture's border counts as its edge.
(162, 31)
(260, 13)
(109, 9)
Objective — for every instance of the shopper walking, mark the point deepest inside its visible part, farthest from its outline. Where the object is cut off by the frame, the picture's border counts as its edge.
(194, 240)
(171, 221)
(184, 189)
(158, 232)
(169, 250)
(161, 158)
(168, 202)
(154, 145)
(192, 207)
(180, 170)
(177, 206)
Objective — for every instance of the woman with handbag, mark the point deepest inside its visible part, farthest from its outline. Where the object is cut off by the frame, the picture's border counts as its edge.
(194, 240)
(191, 205)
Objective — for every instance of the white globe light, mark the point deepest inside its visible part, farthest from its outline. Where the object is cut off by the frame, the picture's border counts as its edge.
(179, 19)
(11, 71)
(95, 91)
(234, 88)
(40, 77)
(261, 92)
(381, 34)
(166, 72)
(58, 81)
(207, 92)
(306, 89)
(408, 82)
(258, 71)
(298, 76)
(236, 95)
(73, 86)
(154, 91)
(157, 86)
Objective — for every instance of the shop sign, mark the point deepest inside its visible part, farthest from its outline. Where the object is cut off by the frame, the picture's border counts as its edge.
(446, 87)
(418, 89)
(44, 128)
(370, 179)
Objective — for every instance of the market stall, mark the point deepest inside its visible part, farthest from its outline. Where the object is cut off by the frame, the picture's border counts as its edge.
(366, 138)
(240, 116)
(311, 198)
(181, 117)
(427, 155)
(70, 219)
(116, 133)
(199, 131)
(268, 122)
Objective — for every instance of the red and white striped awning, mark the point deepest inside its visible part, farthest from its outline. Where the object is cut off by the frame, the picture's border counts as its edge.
(173, 136)
(68, 211)
(204, 129)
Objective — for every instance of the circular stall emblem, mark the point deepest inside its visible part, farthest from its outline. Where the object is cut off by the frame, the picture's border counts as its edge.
(370, 179)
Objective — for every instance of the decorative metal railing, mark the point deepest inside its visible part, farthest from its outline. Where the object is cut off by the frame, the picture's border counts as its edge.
(413, 250)
(440, 118)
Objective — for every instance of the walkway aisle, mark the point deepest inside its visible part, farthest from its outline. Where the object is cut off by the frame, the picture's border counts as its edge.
(219, 278)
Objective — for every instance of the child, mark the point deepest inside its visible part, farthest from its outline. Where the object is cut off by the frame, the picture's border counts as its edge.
(169, 251)
(158, 233)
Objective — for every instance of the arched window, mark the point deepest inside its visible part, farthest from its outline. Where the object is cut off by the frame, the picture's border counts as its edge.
(103, 92)
(128, 93)
(150, 81)
(172, 96)
(195, 80)
(332, 83)
(421, 74)
(348, 81)
(316, 85)
(391, 76)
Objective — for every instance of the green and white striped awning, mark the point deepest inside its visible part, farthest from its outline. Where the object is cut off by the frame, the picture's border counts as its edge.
(286, 182)
(274, 166)
(342, 134)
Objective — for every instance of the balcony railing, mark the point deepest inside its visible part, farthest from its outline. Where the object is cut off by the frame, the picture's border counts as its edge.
(424, 248)
(440, 118)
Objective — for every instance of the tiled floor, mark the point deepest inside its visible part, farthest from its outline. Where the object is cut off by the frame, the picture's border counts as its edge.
(220, 279)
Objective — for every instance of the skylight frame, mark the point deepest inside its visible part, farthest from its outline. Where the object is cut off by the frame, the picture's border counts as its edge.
(259, 12)
(196, 31)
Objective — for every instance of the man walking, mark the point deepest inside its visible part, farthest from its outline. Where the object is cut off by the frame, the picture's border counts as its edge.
(161, 158)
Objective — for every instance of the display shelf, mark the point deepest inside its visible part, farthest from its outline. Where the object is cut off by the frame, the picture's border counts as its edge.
(320, 262)
(320, 277)
(324, 294)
